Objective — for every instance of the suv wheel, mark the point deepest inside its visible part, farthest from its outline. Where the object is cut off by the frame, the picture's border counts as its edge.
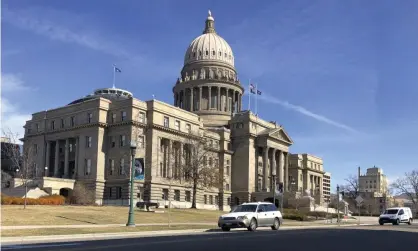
(396, 222)
(381, 223)
(276, 224)
(253, 225)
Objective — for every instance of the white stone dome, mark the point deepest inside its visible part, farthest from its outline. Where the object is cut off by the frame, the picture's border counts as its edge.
(209, 46)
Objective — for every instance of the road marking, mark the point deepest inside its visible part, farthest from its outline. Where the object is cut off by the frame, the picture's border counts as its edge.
(38, 246)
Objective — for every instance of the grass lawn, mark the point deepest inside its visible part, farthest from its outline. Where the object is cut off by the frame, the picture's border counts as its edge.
(71, 231)
(79, 215)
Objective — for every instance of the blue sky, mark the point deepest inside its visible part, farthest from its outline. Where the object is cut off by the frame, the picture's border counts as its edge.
(340, 76)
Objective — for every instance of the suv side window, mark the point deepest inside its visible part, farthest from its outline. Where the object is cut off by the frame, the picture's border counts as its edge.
(272, 207)
(261, 208)
(401, 212)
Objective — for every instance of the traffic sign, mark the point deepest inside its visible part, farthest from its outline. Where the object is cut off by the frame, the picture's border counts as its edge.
(359, 200)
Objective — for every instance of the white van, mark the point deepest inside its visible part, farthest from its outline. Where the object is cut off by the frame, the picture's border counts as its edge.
(396, 215)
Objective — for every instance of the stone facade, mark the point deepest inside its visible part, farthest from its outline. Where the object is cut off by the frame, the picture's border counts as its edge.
(88, 141)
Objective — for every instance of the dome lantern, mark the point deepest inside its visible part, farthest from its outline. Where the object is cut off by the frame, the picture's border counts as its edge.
(210, 24)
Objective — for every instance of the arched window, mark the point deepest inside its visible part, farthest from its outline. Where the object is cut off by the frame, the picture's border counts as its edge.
(225, 55)
(220, 54)
(207, 52)
(200, 53)
(213, 53)
(194, 54)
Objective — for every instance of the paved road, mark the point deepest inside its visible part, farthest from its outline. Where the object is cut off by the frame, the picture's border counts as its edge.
(341, 239)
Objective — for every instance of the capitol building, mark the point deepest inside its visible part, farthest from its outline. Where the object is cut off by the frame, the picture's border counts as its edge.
(87, 142)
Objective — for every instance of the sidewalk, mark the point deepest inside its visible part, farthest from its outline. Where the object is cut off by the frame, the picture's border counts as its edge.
(108, 236)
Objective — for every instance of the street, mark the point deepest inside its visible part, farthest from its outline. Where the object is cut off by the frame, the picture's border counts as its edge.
(344, 239)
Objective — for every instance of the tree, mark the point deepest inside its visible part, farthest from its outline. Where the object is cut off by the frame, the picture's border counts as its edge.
(22, 160)
(351, 187)
(408, 186)
(199, 168)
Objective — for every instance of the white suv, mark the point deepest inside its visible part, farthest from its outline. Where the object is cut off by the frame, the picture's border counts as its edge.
(251, 216)
(396, 215)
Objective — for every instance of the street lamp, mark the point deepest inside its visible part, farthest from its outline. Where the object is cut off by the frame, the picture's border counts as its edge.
(46, 169)
(131, 221)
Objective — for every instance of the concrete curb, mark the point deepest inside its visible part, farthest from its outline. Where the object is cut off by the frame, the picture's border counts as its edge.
(108, 236)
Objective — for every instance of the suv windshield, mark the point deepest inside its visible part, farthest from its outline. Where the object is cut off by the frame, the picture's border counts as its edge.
(245, 208)
(391, 211)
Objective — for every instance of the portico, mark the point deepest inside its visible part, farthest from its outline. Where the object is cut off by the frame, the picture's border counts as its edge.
(62, 158)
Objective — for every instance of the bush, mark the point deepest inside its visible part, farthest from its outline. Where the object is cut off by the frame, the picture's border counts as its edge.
(82, 196)
(44, 200)
(293, 214)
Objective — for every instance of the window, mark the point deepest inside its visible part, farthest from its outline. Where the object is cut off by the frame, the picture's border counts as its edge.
(301, 177)
(37, 127)
(122, 140)
(113, 117)
(118, 192)
(216, 200)
(87, 166)
(227, 161)
(177, 125)
(207, 53)
(227, 187)
(122, 167)
(188, 128)
(62, 123)
(123, 115)
(187, 196)
(194, 54)
(210, 199)
(72, 121)
(35, 149)
(111, 166)
(200, 53)
(205, 199)
(142, 117)
(166, 122)
(210, 161)
(112, 141)
(89, 117)
(213, 53)
(165, 194)
(141, 142)
(177, 195)
(88, 141)
(227, 170)
(53, 124)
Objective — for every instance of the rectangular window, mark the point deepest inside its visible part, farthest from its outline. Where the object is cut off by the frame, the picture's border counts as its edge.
(37, 127)
(187, 196)
(142, 117)
(122, 140)
(123, 115)
(62, 123)
(53, 124)
(205, 199)
(165, 194)
(111, 166)
(89, 117)
(141, 142)
(88, 141)
(72, 121)
(227, 170)
(35, 149)
(87, 166)
(166, 122)
(177, 125)
(122, 167)
(118, 192)
(211, 199)
(177, 195)
(112, 141)
(113, 117)
(188, 128)
(227, 187)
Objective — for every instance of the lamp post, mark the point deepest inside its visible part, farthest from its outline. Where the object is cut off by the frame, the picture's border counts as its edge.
(274, 188)
(46, 169)
(338, 204)
(131, 221)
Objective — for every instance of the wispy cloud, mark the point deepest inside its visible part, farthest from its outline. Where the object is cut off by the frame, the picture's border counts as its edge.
(306, 112)
(53, 31)
(11, 115)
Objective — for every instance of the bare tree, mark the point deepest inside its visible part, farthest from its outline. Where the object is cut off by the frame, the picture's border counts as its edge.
(351, 187)
(23, 161)
(408, 186)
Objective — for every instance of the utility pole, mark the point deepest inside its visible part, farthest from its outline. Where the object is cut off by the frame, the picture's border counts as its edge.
(338, 205)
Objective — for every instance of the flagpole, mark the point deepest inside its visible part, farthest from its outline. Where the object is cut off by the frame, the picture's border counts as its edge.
(114, 76)
(249, 95)
(256, 99)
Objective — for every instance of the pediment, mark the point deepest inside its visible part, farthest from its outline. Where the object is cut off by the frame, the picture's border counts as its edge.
(279, 134)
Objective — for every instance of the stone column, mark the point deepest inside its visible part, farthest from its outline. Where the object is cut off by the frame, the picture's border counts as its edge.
(239, 102)
(76, 158)
(57, 155)
(48, 152)
(191, 99)
(181, 174)
(200, 98)
(169, 156)
(286, 171)
(265, 169)
(281, 167)
(219, 99)
(67, 153)
(209, 97)
(273, 169)
(233, 101)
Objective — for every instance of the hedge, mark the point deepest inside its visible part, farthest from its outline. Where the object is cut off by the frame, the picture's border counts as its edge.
(44, 200)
